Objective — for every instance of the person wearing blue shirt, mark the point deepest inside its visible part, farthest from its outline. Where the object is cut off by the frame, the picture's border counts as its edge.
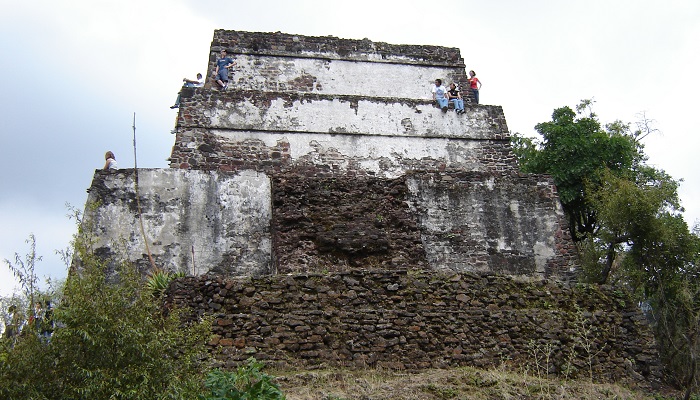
(221, 72)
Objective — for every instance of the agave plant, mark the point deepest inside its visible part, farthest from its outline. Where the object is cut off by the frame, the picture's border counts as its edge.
(159, 280)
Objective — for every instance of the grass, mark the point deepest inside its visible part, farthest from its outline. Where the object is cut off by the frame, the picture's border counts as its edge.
(457, 383)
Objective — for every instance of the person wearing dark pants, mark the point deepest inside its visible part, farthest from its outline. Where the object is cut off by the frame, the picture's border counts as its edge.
(475, 85)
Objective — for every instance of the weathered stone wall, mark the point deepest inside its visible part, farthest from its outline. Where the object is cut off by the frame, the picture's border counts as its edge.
(310, 180)
(234, 130)
(196, 222)
(416, 319)
(353, 107)
(325, 158)
(330, 47)
(253, 223)
(321, 113)
(454, 221)
(332, 224)
(502, 223)
(384, 156)
(337, 77)
(279, 62)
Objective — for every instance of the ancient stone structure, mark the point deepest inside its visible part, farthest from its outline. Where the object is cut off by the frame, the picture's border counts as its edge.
(327, 157)
(410, 320)
(328, 154)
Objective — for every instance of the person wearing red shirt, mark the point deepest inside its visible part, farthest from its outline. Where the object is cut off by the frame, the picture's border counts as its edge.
(475, 85)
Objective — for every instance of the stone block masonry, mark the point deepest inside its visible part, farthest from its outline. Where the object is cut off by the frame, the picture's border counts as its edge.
(338, 125)
(196, 222)
(411, 319)
(327, 153)
(285, 62)
(501, 223)
(328, 213)
(256, 223)
(350, 115)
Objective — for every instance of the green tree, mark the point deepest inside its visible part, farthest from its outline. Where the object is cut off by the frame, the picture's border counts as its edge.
(574, 150)
(631, 211)
(626, 218)
(24, 270)
(641, 226)
(672, 290)
(112, 341)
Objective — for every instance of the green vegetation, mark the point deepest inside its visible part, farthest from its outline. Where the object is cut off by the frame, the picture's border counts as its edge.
(248, 382)
(463, 383)
(574, 149)
(626, 219)
(110, 339)
(159, 280)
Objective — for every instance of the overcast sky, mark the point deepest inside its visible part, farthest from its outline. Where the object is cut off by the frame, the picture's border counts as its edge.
(76, 71)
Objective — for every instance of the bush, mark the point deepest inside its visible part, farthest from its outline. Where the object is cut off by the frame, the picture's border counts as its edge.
(112, 341)
(248, 382)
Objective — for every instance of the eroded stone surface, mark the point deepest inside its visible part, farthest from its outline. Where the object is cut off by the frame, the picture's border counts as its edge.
(342, 219)
(196, 222)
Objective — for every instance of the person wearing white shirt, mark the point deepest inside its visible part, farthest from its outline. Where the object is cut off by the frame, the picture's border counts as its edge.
(440, 95)
(110, 161)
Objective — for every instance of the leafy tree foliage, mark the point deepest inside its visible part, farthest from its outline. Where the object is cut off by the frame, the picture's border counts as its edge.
(574, 149)
(632, 212)
(626, 218)
(660, 263)
(112, 341)
(673, 294)
(23, 269)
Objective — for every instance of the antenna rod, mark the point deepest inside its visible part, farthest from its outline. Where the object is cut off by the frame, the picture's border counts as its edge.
(135, 166)
(138, 203)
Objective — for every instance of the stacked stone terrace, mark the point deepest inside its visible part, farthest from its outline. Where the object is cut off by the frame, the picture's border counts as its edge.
(327, 154)
(346, 105)
(330, 214)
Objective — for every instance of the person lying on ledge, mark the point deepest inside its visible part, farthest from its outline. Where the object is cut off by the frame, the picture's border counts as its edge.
(188, 83)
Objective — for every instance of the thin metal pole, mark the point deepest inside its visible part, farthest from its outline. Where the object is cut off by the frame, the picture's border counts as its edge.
(138, 203)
